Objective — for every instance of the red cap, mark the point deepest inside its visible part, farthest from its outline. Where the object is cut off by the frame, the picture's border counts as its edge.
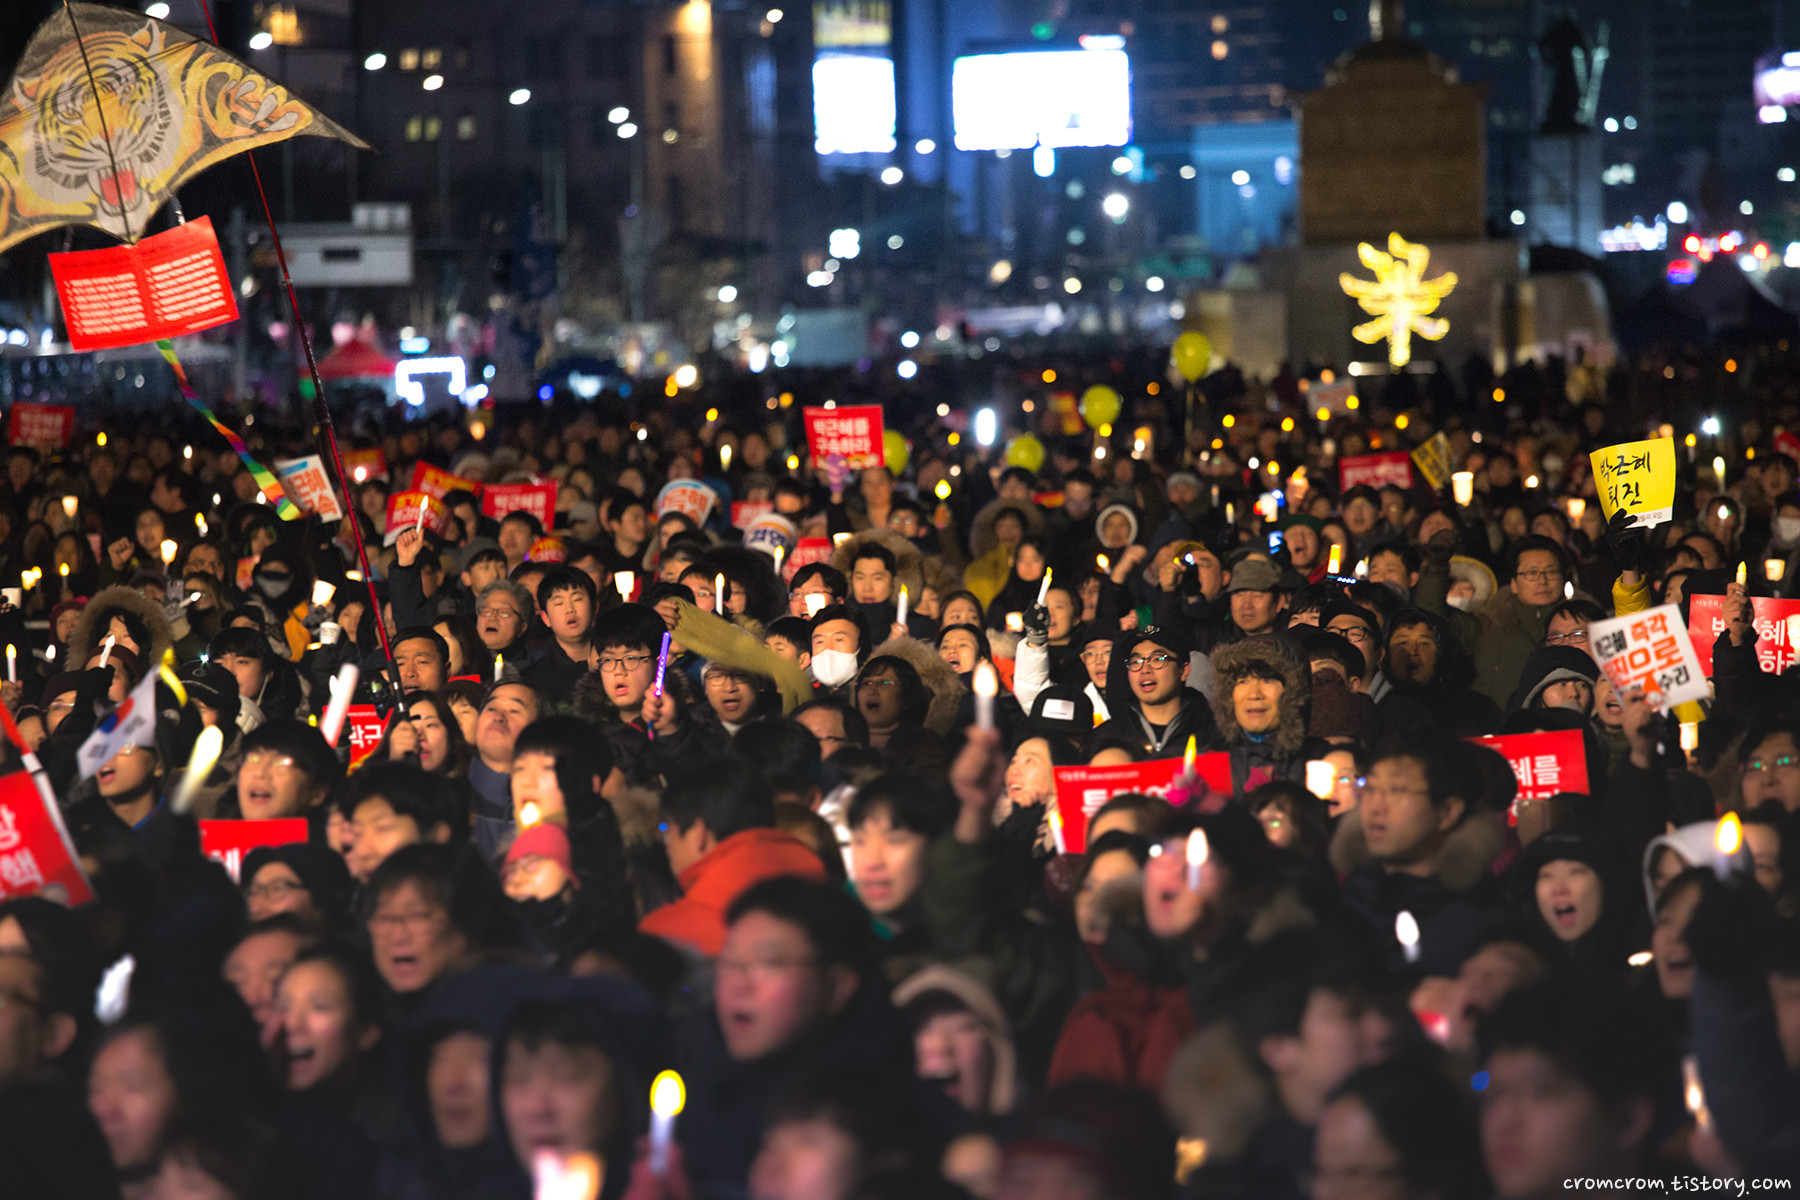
(545, 839)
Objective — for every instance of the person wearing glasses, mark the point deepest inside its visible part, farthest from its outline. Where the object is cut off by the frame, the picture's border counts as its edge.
(503, 613)
(1517, 620)
(1153, 707)
(648, 732)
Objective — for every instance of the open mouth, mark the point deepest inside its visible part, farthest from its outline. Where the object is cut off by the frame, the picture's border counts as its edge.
(1563, 914)
(260, 796)
(106, 775)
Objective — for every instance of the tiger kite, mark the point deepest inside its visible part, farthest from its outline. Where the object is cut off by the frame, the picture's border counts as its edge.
(110, 111)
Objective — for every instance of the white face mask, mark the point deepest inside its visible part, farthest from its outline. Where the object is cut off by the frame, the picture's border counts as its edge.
(834, 667)
(1466, 603)
(1787, 529)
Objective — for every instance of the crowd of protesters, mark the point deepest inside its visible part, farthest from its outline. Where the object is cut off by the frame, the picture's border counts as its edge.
(653, 795)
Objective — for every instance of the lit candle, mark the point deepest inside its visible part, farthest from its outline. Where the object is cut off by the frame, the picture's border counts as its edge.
(1336, 561)
(1015, 622)
(1462, 485)
(323, 592)
(1690, 736)
(1693, 1093)
(1719, 470)
(1230, 513)
(780, 553)
(900, 609)
(625, 581)
(668, 1096)
(1568, 589)
(987, 686)
(419, 526)
(168, 551)
(719, 593)
(62, 569)
(530, 814)
(1197, 850)
(499, 666)
(106, 650)
(1321, 778)
(1743, 574)
(1102, 563)
(207, 747)
(28, 579)
(1642, 958)
(1774, 569)
(200, 523)
(1056, 828)
(1187, 757)
(1362, 568)
(725, 457)
(1577, 508)
(12, 663)
(1044, 587)
(69, 504)
(1728, 837)
(342, 687)
(1406, 931)
(838, 539)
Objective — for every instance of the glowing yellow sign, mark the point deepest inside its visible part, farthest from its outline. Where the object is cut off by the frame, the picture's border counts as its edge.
(1400, 298)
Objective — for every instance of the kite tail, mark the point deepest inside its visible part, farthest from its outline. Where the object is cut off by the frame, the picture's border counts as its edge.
(270, 486)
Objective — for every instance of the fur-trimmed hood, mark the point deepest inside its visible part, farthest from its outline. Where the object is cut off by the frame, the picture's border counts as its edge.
(981, 529)
(640, 814)
(978, 998)
(939, 677)
(1280, 655)
(908, 571)
(1215, 1092)
(1466, 859)
(90, 631)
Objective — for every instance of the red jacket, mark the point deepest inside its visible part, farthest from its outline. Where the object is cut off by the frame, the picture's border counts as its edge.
(709, 887)
(1125, 1033)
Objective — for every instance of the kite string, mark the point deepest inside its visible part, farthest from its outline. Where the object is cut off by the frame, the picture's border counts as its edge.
(100, 109)
(265, 480)
(321, 409)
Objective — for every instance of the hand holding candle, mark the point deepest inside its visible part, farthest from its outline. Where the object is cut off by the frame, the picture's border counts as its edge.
(668, 1096)
(1197, 851)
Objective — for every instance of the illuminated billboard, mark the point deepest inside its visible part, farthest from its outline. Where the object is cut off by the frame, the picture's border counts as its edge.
(853, 77)
(1054, 98)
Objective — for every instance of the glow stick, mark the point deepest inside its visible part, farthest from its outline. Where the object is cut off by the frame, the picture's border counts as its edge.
(341, 690)
(656, 689)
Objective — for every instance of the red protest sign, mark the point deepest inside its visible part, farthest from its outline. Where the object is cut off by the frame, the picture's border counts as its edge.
(306, 484)
(47, 425)
(364, 465)
(35, 855)
(538, 499)
(438, 483)
(228, 842)
(365, 727)
(1376, 470)
(745, 512)
(1774, 647)
(1081, 791)
(246, 572)
(1545, 763)
(807, 550)
(853, 431)
(403, 512)
(167, 285)
(547, 550)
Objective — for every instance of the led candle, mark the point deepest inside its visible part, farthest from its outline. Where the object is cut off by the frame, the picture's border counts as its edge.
(987, 686)
(719, 593)
(1690, 736)
(1197, 851)
(323, 592)
(1336, 561)
(624, 581)
(342, 688)
(900, 609)
(1728, 838)
(106, 651)
(207, 747)
(1462, 485)
(1187, 757)
(168, 551)
(1321, 778)
(1103, 563)
(668, 1096)
(1743, 573)
(1577, 508)
(1774, 569)
(780, 553)
(69, 504)
(12, 663)
(1015, 622)
(1406, 931)
(1044, 587)
(1719, 470)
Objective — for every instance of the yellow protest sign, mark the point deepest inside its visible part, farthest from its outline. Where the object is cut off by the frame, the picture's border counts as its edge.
(1432, 457)
(1638, 478)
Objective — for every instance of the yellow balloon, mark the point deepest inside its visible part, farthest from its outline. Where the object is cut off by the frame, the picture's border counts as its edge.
(1193, 355)
(1099, 406)
(1025, 451)
(895, 449)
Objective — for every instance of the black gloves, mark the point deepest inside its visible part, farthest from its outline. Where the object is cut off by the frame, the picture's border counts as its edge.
(1626, 542)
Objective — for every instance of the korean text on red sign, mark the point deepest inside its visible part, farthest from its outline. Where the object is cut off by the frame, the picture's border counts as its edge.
(365, 727)
(1081, 791)
(1650, 652)
(538, 499)
(40, 425)
(229, 842)
(171, 284)
(853, 432)
(1375, 470)
(1544, 763)
(1775, 650)
(35, 856)
(438, 483)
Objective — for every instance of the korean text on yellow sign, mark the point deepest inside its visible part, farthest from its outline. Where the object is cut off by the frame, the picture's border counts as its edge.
(1638, 478)
(1433, 460)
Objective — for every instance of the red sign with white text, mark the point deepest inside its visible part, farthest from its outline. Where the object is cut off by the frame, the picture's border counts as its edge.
(806, 550)
(228, 842)
(852, 431)
(743, 512)
(1081, 791)
(538, 499)
(438, 483)
(40, 425)
(403, 512)
(165, 286)
(1545, 763)
(365, 727)
(1775, 650)
(1376, 470)
(35, 857)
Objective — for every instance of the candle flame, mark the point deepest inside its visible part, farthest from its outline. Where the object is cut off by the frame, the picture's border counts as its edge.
(668, 1095)
(1406, 928)
(1729, 835)
(1642, 958)
(1197, 849)
(986, 682)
